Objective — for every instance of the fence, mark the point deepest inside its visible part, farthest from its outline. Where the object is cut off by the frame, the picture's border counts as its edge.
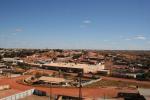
(90, 82)
(19, 95)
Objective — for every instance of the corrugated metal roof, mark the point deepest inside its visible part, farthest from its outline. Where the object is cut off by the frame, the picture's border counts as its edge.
(51, 79)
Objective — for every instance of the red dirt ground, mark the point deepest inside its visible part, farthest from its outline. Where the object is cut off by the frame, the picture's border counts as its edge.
(86, 92)
(126, 80)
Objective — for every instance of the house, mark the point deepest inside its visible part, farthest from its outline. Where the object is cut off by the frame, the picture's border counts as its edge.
(73, 67)
(2, 67)
(12, 60)
(104, 72)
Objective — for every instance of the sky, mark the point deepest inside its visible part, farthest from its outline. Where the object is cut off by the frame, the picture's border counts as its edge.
(75, 24)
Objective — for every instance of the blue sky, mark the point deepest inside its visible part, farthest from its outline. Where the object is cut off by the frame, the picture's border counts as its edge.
(75, 24)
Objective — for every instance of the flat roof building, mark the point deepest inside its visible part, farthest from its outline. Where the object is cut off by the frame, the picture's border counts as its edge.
(86, 68)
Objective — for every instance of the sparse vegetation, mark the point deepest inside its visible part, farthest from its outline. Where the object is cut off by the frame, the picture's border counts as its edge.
(105, 83)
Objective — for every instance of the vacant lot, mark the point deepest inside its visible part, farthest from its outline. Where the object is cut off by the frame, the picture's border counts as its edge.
(118, 83)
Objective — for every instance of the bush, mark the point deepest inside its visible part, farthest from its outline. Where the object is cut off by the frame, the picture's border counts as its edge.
(38, 75)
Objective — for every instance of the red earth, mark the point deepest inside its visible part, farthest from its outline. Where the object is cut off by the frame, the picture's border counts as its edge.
(86, 92)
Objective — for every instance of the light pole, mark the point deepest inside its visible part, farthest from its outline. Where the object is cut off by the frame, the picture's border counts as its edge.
(80, 85)
(50, 91)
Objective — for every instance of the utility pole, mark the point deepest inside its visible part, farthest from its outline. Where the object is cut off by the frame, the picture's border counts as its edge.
(80, 85)
(104, 96)
(50, 91)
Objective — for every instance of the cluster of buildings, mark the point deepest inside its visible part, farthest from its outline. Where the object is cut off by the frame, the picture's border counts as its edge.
(71, 62)
(7, 64)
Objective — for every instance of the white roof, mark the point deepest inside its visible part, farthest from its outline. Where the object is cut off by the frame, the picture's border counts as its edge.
(51, 79)
(72, 65)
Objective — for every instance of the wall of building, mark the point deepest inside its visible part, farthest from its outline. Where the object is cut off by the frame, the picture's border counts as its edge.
(19, 95)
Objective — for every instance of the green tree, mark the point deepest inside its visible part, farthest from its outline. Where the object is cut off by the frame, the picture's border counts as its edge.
(38, 75)
(76, 56)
